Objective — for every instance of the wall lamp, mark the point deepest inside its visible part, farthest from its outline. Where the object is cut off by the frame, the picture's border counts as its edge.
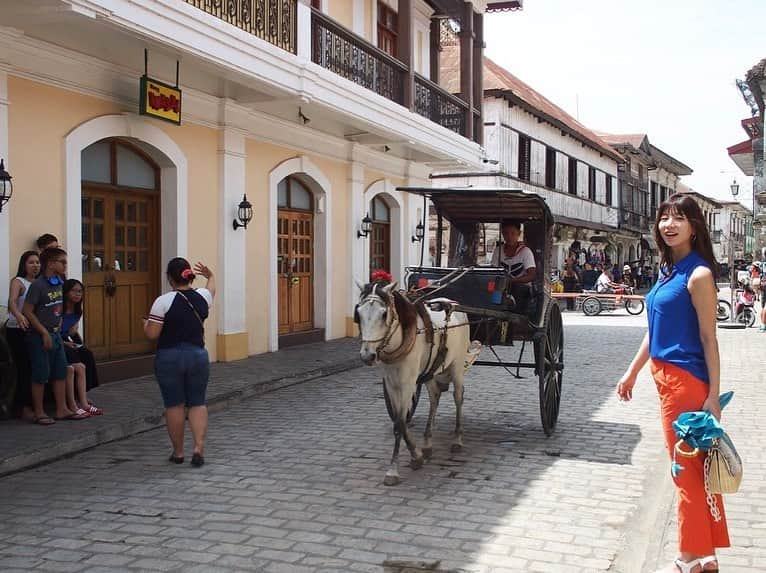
(420, 232)
(734, 188)
(366, 227)
(6, 187)
(244, 213)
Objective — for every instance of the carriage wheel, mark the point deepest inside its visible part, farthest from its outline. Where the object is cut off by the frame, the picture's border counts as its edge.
(591, 306)
(634, 306)
(550, 357)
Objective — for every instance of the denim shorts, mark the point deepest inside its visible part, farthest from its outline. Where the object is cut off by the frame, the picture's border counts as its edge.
(182, 373)
(46, 364)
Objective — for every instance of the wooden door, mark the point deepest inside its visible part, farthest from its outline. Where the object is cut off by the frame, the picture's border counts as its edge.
(380, 247)
(295, 263)
(380, 235)
(120, 253)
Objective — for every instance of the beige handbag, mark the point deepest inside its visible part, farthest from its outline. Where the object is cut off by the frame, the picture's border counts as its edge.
(723, 472)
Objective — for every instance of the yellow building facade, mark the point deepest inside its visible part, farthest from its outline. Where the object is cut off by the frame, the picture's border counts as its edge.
(313, 153)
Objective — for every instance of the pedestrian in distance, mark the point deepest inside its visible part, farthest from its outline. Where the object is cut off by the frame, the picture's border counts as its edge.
(43, 308)
(17, 328)
(682, 350)
(569, 280)
(181, 365)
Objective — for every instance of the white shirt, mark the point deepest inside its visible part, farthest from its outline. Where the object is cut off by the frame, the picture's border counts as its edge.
(518, 263)
(602, 283)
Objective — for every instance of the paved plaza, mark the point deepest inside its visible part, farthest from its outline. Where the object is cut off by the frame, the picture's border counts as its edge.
(294, 479)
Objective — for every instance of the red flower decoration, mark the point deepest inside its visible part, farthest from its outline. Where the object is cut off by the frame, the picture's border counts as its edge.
(382, 276)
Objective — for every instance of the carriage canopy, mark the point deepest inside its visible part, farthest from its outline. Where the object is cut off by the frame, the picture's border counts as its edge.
(485, 204)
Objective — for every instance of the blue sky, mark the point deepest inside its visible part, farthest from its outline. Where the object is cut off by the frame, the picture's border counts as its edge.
(661, 67)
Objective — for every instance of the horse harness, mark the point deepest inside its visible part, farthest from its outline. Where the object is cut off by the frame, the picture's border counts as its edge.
(408, 340)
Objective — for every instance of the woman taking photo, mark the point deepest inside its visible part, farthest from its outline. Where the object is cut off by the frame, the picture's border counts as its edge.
(181, 365)
(17, 326)
(682, 350)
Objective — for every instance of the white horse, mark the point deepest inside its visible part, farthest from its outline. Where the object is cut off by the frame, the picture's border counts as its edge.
(394, 336)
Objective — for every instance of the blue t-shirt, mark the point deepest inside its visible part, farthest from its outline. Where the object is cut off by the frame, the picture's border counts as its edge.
(674, 331)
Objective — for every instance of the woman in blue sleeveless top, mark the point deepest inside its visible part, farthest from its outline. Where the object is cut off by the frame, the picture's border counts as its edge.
(682, 349)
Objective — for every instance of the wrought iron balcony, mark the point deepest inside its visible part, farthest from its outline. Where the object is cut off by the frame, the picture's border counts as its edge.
(341, 51)
(436, 104)
(272, 20)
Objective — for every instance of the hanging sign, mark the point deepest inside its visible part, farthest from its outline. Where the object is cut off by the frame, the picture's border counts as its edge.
(158, 99)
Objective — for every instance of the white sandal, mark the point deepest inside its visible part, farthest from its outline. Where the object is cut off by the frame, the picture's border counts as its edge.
(708, 559)
(686, 567)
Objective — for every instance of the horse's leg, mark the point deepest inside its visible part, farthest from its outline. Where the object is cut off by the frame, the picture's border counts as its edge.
(392, 475)
(434, 394)
(457, 374)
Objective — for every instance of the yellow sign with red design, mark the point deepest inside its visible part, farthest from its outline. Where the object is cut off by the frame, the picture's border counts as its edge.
(160, 100)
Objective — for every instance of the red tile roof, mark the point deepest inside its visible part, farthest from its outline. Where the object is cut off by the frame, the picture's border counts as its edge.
(500, 80)
(632, 139)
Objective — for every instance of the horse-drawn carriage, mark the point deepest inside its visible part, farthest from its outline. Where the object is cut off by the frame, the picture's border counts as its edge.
(497, 314)
(424, 335)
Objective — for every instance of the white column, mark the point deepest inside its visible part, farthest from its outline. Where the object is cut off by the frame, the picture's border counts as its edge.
(357, 245)
(357, 17)
(5, 221)
(230, 278)
(303, 15)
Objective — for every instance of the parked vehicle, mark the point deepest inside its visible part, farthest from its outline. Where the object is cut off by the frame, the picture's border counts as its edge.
(723, 312)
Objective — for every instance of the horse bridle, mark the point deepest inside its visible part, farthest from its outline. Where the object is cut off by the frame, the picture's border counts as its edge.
(392, 324)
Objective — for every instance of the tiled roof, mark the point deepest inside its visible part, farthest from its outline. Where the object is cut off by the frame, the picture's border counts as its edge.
(632, 139)
(497, 79)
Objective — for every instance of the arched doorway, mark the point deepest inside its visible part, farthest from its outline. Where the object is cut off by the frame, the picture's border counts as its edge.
(632, 254)
(620, 254)
(380, 235)
(295, 256)
(120, 230)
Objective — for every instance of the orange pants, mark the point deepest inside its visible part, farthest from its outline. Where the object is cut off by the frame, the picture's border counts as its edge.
(681, 392)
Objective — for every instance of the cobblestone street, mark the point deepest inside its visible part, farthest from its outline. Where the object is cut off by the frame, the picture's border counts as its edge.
(294, 478)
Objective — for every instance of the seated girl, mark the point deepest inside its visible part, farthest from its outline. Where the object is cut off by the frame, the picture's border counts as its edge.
(80, 359)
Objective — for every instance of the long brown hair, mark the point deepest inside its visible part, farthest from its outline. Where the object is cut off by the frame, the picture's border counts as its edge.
(680, 204)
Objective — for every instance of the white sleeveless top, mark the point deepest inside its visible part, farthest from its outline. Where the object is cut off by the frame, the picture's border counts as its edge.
(12, 322)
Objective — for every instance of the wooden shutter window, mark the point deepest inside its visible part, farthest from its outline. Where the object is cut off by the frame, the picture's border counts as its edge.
(572, 183)
(592, 183)
(550, 168)
(388, 26)
(525, 157)
(608, 189)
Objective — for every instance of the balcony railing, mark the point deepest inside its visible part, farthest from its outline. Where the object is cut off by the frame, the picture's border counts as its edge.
(343, 52)
(272, 20)
(436, 104)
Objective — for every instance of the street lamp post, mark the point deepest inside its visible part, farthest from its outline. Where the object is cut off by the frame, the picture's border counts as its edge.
(732, 277)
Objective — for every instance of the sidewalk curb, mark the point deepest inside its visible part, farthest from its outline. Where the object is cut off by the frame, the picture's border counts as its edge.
(155, 419)
(643, 537)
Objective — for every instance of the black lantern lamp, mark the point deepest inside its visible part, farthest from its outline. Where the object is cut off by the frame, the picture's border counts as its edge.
(366, 226)
(244, 214)
(420, 232)
(6, 187)
(734, 188)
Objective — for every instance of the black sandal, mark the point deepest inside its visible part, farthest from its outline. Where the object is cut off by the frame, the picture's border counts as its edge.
(197, 460)
(176, 459)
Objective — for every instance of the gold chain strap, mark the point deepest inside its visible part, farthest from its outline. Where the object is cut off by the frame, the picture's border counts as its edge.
(711, 501)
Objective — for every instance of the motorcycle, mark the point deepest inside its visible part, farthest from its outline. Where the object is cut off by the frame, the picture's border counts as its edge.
(744, 311)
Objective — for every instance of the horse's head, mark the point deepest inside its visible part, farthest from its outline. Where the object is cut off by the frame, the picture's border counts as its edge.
(375, 315)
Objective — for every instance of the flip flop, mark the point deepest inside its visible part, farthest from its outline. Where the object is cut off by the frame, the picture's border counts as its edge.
(43, 420)
(79, 415)
(94, 410)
